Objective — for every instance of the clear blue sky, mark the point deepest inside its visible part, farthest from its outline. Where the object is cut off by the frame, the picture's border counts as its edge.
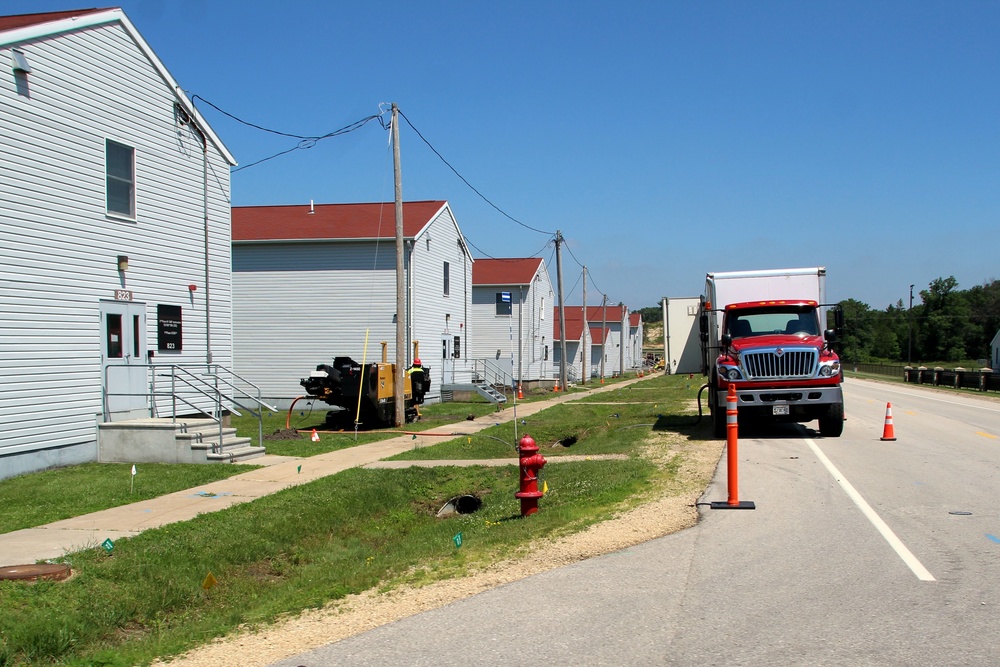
(664, 139)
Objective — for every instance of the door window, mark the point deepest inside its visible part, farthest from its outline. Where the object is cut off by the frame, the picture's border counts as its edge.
(114, 327)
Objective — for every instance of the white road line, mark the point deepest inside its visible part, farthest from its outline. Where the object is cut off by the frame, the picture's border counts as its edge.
(976, 402)
(911, 561)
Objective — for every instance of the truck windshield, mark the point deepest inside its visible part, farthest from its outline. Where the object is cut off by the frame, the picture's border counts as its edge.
(801, 321)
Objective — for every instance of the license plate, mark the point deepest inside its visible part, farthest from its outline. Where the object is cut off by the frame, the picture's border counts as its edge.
(779, 410)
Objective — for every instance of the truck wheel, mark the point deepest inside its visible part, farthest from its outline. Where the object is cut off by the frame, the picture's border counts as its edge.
(832, 425)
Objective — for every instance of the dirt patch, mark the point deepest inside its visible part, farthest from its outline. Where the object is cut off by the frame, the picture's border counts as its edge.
(284, 434)
(673, 510)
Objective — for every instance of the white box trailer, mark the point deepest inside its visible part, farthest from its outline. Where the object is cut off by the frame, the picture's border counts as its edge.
(681, 344)
(724, 288)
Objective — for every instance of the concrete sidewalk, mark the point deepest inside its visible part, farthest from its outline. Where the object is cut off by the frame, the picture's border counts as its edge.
(90, 530)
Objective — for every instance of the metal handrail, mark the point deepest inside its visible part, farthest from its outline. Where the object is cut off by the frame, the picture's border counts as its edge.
(197, 384)
(491, 373)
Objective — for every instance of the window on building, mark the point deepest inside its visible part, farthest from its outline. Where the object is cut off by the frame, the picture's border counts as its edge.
(458, 347)
(503, 303)
(120, 171)
(447, 278)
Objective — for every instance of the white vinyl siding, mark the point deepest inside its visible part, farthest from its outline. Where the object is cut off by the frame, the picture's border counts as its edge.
(520, 335)
(612, 337)
(298, 305)
(302, 304)
(59, 248)
(433, 315)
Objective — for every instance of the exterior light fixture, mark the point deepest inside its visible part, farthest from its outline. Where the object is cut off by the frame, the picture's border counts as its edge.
(123, 263)
(19, 61)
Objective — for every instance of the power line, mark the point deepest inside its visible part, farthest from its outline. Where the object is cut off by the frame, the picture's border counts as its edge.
(471, 187)
(541, 250)
(570, 251)
(485, 254)
(305, 142)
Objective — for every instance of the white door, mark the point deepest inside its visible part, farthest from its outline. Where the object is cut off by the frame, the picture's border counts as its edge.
(123, 358)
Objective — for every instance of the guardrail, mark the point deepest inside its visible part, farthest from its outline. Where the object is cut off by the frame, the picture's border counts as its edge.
(982, 379)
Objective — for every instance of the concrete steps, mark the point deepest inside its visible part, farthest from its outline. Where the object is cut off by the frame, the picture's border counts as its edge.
(162, 440)
(481, 388)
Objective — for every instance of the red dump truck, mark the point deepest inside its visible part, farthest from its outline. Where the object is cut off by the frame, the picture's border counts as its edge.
(766, 332)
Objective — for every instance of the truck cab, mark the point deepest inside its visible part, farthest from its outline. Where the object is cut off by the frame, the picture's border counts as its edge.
(780, 358)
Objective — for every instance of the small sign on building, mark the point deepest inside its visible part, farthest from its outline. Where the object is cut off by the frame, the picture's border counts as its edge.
(169, 335)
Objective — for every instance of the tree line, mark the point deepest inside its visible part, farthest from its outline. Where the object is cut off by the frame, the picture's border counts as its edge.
(948, 324)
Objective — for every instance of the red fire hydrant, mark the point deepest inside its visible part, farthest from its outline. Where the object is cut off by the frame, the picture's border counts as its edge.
(530, 463)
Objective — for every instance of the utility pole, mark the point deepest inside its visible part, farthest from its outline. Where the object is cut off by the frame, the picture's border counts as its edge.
(520, 336)
(604, 334)
(622, 339)
(909, 330)
(397, 385)
(586, 330)
(562, 313)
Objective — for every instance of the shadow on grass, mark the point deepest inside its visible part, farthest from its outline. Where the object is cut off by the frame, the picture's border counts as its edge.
(689, 425)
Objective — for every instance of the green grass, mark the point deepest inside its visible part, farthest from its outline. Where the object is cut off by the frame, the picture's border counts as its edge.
(308, 545)
(43, 497)
(296, 549)
(597, 429)
(305, 418)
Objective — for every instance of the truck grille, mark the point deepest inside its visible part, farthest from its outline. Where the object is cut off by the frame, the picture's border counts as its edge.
(770, 365)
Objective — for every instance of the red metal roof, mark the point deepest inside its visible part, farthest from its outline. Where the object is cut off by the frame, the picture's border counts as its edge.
(614, 314)
(634, 319)
(595, 316)
(24, 20)
(511, 271)
(330, 221)
(573, 327)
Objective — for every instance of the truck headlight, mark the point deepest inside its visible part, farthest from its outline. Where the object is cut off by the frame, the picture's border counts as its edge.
(829, 370)
(729, 373)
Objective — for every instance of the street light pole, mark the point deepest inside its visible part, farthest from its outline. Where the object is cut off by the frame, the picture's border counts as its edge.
(909, 330)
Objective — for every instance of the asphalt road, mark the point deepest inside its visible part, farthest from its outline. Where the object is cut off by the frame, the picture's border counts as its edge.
(854, 556)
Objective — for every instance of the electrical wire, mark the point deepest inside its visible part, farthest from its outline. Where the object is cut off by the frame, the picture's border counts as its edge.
(305, 142)
(481, 251)
(541, 250)
(589, 272)
(570, 251)
(573, 288)
(481, 195)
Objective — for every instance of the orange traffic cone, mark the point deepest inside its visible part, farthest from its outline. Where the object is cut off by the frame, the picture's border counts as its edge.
(888, 433)
(556, 389)
(520, 394)
(315, 436)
